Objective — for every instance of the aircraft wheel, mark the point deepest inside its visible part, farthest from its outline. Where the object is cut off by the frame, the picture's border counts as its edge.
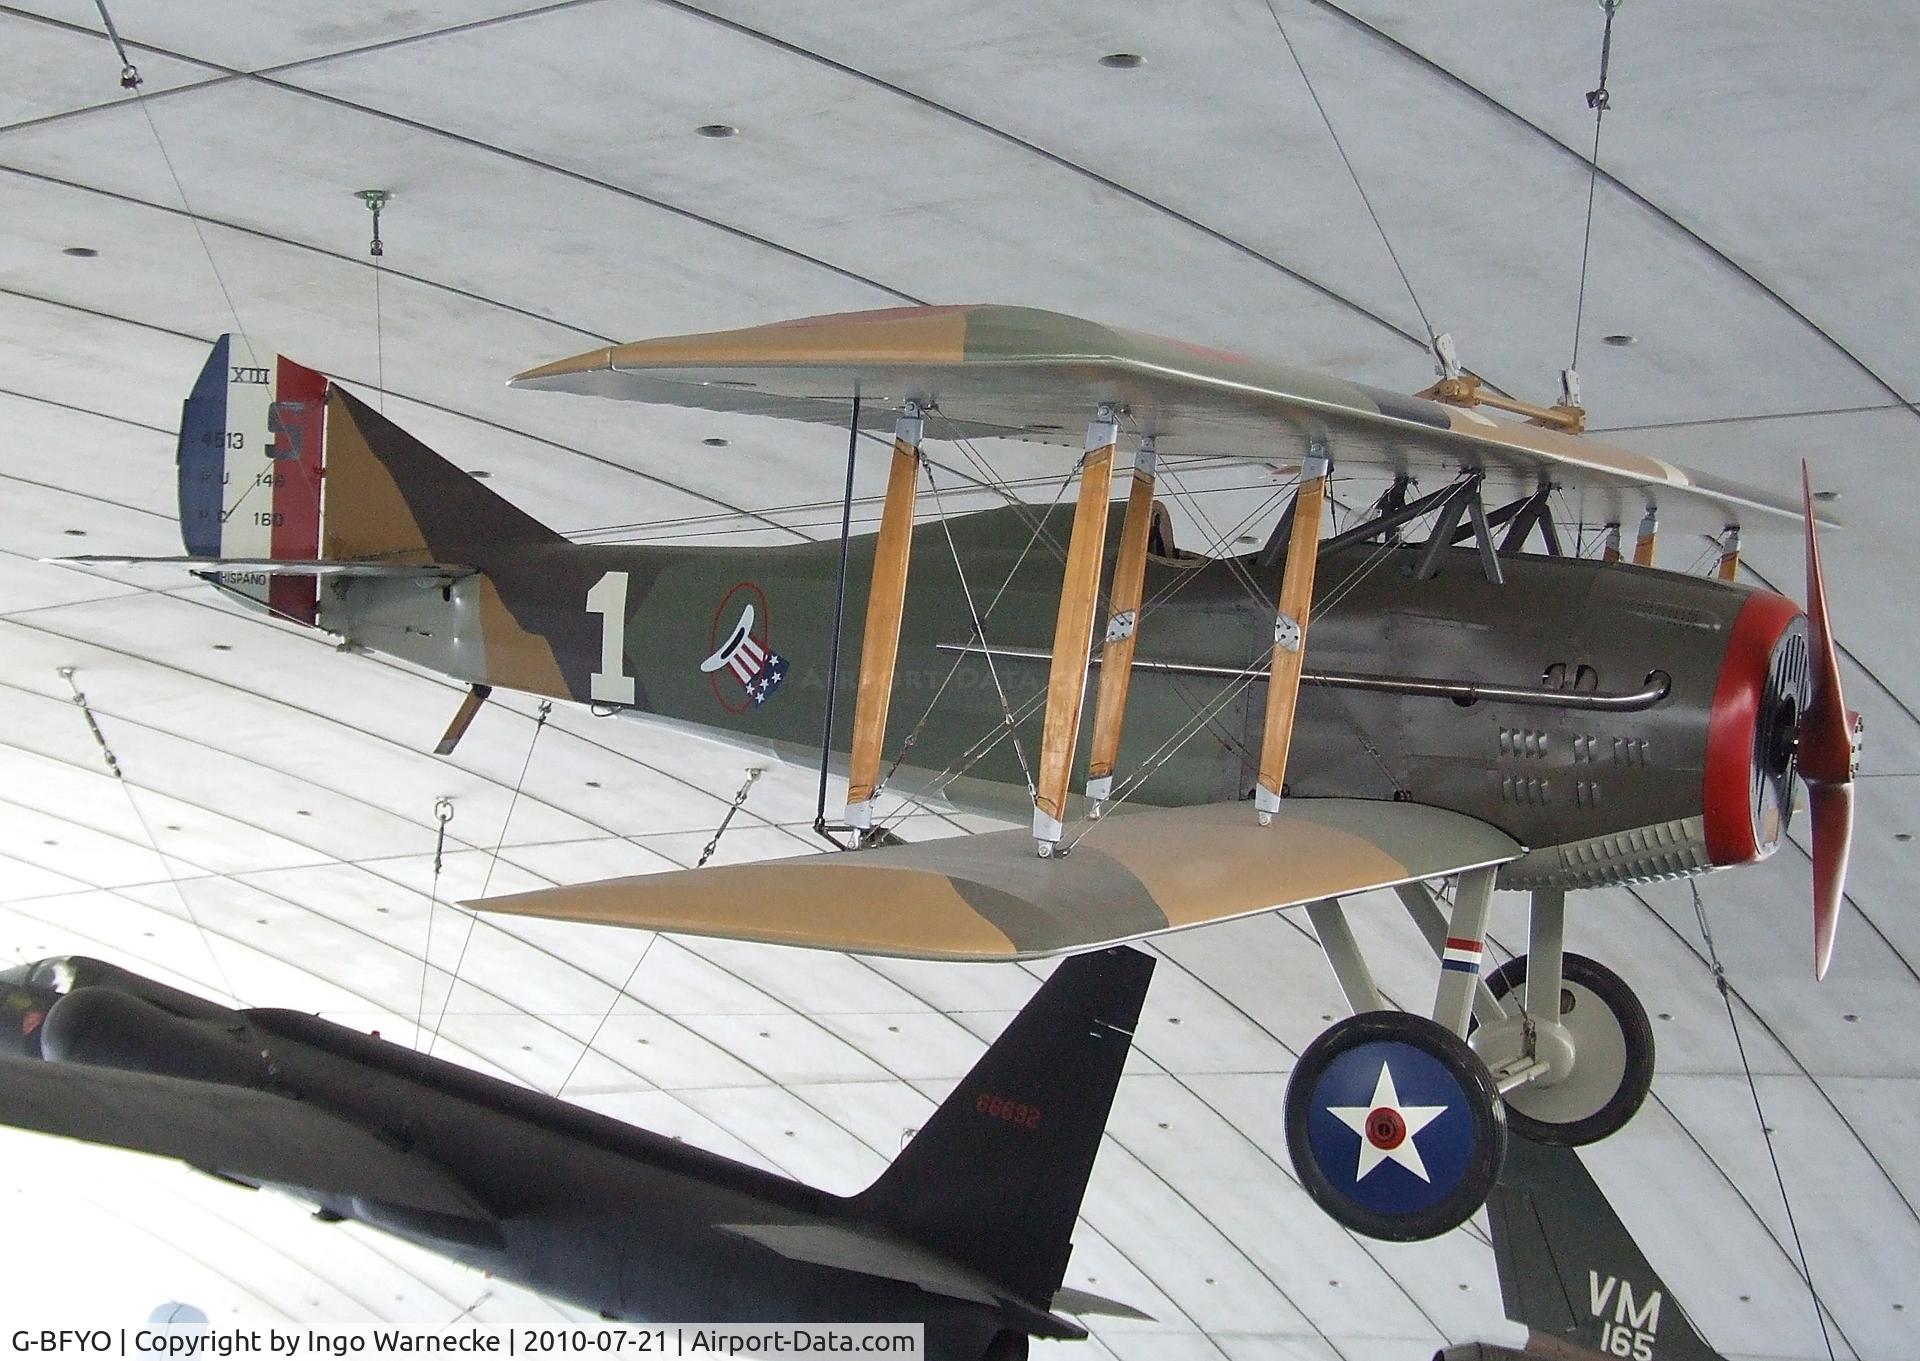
(1611, 1047)
(1395, 1126)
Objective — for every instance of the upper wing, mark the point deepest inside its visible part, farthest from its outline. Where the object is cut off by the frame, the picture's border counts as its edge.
(1020, 372)
(1134, 874)
(238, 1132)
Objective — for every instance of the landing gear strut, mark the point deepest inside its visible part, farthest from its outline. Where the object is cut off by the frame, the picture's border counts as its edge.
(1398, 1125)
(1596, 1039)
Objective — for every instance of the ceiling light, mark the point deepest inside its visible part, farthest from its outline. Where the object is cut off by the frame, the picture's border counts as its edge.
(715, 442)
(1123, 61)
(80, 252)
(1619, 338)
(717, 130)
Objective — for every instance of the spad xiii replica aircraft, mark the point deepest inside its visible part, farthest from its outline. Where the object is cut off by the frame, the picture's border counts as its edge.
(1465, 710)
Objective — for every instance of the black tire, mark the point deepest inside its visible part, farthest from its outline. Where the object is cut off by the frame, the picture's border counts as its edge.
(1532, 1112)
(1440, 1073)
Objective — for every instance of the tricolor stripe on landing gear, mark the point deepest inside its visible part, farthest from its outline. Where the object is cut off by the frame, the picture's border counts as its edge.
(1462, 956)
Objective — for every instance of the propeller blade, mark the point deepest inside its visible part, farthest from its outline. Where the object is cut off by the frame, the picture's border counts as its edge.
(1832, 808)
(1828, 752)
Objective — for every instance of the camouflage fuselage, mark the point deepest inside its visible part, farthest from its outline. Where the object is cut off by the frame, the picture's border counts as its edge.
(1600, 796)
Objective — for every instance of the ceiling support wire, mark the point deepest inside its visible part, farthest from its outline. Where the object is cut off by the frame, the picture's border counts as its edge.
(1753, 1088)
(453, 980)
(113, 768)
(713, 844)
(1353, 174)
(1598, 100)
(442, 815)
(131, 81)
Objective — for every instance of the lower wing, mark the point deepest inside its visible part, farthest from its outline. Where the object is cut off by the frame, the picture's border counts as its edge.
(1133, 874)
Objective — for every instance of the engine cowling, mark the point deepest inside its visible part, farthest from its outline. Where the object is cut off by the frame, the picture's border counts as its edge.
(1759, 704)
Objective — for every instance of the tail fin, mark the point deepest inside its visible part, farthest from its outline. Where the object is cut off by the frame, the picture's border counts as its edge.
(1571, 1272)
(994, 1179)
(262, 438)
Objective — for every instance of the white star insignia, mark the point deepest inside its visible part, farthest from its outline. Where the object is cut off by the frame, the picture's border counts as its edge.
(1386, 1128)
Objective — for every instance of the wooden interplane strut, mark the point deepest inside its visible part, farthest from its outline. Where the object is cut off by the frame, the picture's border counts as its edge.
(1073, 632)
(1123, 625)
(1290, 631)
(1648, 537)
(886, 602)
(1730, 553)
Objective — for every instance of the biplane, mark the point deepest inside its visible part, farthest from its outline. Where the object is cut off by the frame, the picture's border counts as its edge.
(1443, 697)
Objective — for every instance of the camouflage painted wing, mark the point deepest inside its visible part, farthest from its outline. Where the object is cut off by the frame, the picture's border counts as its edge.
(1023, 373)
(988, 897)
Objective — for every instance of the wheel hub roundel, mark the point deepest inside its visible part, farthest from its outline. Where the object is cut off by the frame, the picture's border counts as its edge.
(1395, 1126)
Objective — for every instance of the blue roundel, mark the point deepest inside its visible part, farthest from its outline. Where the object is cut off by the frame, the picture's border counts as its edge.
(1391, 1128)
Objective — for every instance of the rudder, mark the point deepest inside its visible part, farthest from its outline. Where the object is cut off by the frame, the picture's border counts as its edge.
(1570, 1270)
(995, 1178)
(250, 463)
(277, 465)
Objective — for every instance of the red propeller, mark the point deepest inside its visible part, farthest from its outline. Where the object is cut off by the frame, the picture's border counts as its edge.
(1828, 753)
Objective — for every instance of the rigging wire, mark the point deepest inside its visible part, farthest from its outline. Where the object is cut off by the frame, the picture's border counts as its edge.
(1598, 100)
(1753, 1088)
(132, 81)
(1353, 174)
(839, 616)
(453, 981)
(980, 631)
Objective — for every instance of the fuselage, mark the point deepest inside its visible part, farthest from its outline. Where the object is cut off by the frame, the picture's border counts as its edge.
(1669, 784)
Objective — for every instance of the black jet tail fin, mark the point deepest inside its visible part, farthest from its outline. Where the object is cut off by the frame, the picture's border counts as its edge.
(994, 1179)
(1570, 1271)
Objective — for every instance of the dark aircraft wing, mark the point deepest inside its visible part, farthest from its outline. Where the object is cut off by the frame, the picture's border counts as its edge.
(238, 1132)
(1135, 873)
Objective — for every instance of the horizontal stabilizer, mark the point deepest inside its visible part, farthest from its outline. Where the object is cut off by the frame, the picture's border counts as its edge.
(312, 567)
(1085, 1302)
(848, 1248)
(1133, 874)
(238, 1132)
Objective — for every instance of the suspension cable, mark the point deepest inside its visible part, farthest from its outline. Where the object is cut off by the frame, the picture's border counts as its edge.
(1753, 1088)
(1598, 100)
(442, 814)
(1352, 173)
(113, 768)
(132, 81)
(453, 982)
